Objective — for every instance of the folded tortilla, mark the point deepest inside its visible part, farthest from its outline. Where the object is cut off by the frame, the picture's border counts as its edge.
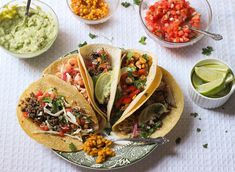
(72, 96)
(115, 54)
(53, 68)
(153, 80)
(170, 120)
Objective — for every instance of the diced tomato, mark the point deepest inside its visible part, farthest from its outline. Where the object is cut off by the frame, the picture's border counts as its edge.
(68, 109)
(44, 127)
(118, 103)
(64, 76)
(134, 93)
(141, 72)
(82, 122)
(39, 94)
(65, 129)
(26, 114)
(126, 100)
(131, 88)
(61, 133)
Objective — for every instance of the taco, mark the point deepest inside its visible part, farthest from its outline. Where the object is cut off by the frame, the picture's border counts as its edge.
(67, 69)
(55, 114)
(101, 64)
(138, 71)
(158, 115)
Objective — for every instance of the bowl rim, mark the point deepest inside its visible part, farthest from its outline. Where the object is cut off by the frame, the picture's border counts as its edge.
(91, 22)
(46, 48)
(205, 97)
(181, 44)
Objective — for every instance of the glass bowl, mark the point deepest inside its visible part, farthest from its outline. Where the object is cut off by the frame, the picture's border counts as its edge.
(201, 6)
(45, 8)
(113, 6)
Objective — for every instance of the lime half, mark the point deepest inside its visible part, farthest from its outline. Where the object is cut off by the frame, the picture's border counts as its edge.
(208, 75)
(102, 87)
(211, 88)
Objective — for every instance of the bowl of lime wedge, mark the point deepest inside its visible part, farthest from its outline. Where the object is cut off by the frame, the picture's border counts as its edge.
(212, 82)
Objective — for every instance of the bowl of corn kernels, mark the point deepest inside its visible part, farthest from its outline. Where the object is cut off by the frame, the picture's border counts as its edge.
(93, 11)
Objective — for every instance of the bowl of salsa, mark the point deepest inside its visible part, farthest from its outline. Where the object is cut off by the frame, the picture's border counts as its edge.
(169, 22)
(27, 36)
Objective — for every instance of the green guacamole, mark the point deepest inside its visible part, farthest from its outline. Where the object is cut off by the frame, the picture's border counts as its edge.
(21, 34)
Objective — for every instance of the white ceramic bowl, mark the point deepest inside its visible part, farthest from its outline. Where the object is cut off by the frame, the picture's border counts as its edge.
(203, 101)
(47, 9)
(113, 6)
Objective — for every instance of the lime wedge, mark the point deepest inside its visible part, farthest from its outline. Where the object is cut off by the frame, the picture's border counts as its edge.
(208, 75)
(218, 67)
(196, 80)
(102, 87)
(211, 88)
(229, 78)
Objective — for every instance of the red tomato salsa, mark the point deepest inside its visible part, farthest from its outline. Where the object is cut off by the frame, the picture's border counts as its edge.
(170, 20)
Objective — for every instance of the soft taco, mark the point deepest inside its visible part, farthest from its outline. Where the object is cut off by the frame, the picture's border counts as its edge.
(55, 114)
(158, 115)
(101, 64)
(67, 69)
(138, 71)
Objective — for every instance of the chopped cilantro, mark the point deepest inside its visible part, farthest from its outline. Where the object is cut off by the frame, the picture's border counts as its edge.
(107, 130)
(178, 140)
(126, 4)
(82, 44)
(92, 36)
(131, 69)
(145, 56)
(198, 130)
(207, 51)
(72, 147)
(143, 40)
(47, 100)
(195, 114)
(226, 131)
(137, 2)
(205, 146)
(129, 55)
(140, 84)
(103, 57)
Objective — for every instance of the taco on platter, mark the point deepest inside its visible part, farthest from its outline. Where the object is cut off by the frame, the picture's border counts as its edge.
(138, 71)
(55, 114)
(158, 115)
(67, 69)
(101, 66)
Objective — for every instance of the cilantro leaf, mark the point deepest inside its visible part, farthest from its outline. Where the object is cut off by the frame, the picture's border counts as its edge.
(92, 36)
(194, 114)
(129, 55)
(72, 147)
(126, 4)
(140, 84)
(143, 40)
(205, 146)
(198, 130)
(145, 56)
(82, 44)
(137, 2)
(207, 51)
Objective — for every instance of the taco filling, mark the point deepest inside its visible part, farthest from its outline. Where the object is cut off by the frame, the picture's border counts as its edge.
(53, 115)
(134, 73)
(149, 118)
(69, 72)
(99, 67)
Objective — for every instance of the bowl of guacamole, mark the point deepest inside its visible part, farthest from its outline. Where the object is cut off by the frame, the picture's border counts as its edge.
(27, 36)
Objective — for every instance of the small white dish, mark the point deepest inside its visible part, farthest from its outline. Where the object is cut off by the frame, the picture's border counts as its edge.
(113, 6)
(203, 101)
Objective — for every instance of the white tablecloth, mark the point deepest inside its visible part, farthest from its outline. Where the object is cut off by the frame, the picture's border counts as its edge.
(19, 153)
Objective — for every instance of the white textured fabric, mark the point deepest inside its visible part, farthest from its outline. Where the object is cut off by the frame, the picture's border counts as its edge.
(19, 153)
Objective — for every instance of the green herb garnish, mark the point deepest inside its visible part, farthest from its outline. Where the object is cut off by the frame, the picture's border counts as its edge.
(129, 55)
(126, 4)
(140, 84)
(92, 36)
(137, 2)
(72, 147)
(47, 100)
(143, 40)
(103, 57)
(226, 131)
(145, 56)
(198, 130)
(194, 114)
(131, 69)
(82, 44)
(207, 51)
(178, 140)
(205, 146)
